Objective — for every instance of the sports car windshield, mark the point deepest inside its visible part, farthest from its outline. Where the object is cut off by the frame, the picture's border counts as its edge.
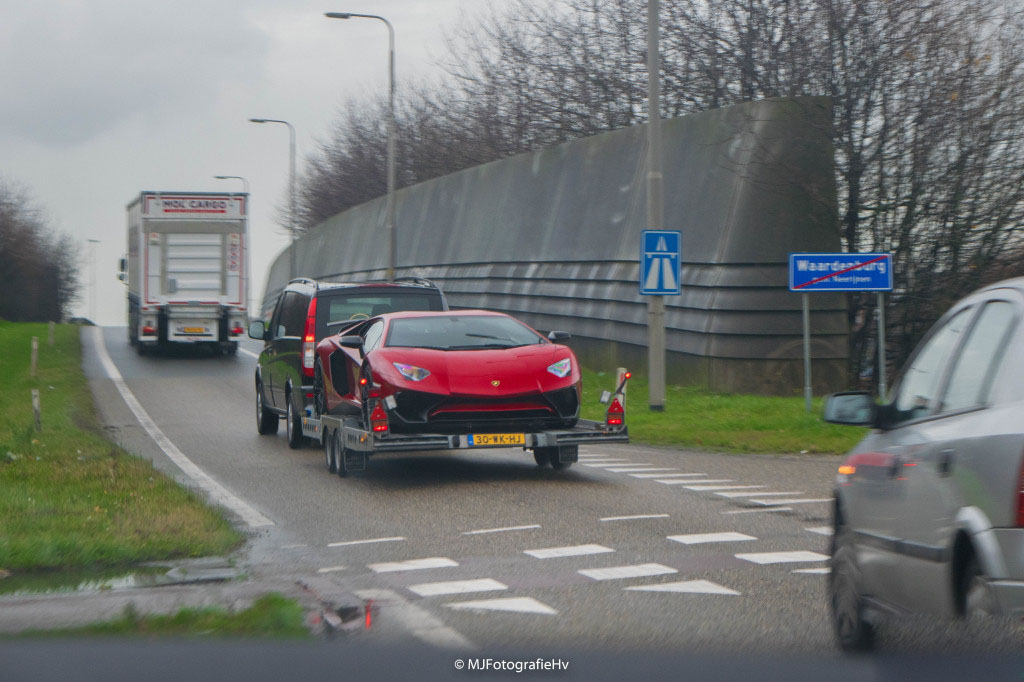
(461, 332)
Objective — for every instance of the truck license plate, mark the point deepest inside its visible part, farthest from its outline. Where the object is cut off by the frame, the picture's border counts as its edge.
(194, 330)
(484, 439)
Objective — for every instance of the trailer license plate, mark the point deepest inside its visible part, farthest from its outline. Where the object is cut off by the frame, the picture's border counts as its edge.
(194, 330)
(483, 439)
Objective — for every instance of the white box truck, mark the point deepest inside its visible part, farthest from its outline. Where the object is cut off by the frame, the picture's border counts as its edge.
(187, 269)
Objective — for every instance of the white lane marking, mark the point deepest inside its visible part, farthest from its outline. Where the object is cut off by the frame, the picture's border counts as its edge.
(756, 494)
(218, 493)
(799, 556)
(814, 571)
(619, 572)
(601, 458)
(348, 543)
(295, 546)
(500, 530)
(599, 465)
(667, 475)
(820, 530)
(572, 550)
(330, 569)
(412, 565)
(635, 516)
(709, 488)
(249, 353)
(457, 587)
(701, 538)
(418, 622)
(681, 481)
(688, 586)
(630, 470)
(794, 500)
(766, 510)
(513, 604)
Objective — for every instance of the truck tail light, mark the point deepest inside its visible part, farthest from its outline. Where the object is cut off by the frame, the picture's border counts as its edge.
(309, 340)
(378, 419)
(237, 330)
(148, 331)
(615, 415)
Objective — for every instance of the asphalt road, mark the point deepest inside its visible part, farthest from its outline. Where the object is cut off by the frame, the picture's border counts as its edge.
(634, 551)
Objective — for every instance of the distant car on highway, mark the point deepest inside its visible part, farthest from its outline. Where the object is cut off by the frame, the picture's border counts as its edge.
(929, 507)
(306, 312)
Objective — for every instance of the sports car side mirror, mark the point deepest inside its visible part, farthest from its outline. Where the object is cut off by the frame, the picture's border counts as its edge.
(854, 409)
(257, 330)
(557, 337)
(352, 341)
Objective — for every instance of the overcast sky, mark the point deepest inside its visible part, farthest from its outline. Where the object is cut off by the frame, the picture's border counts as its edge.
(105, 98)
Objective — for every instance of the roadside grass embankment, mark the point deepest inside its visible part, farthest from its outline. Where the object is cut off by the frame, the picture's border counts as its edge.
(72, 500)
(700, 419)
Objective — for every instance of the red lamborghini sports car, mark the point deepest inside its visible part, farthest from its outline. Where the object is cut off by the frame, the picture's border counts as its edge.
(447, 372)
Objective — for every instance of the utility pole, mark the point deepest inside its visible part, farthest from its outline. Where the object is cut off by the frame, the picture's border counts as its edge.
(655, 211)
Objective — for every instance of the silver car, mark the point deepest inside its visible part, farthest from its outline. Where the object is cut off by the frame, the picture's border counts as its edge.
(929, 507)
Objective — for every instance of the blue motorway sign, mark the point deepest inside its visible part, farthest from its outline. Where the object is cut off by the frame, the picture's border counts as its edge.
(840, 272)
(660, 254)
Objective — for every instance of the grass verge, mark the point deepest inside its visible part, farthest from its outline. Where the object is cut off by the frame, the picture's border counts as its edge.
(71, 499)
(272, 615)
(696, 418)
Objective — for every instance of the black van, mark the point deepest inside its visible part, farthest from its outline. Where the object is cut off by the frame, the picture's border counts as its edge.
(305, 313)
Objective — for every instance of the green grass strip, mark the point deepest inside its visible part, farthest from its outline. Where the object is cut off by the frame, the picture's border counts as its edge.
(69, 498)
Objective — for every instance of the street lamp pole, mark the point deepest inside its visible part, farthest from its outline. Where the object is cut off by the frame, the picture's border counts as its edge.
(291, 187)
(655, 212)
(245, 183)
(92, 283)
(390, 206)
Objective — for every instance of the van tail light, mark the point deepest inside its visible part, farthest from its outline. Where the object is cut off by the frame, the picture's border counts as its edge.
(309, 340)
(378, 419)
(1020, 496)
(615, 416)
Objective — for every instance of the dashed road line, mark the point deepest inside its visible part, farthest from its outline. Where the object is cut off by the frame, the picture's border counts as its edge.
(799, 556)
(702, 538)
(634, 517)
(814, 571)
(683, 475)
(712, 488)
(348, 543)
(330, 569)
(513, 604)
(620, 572)
(764, 510)
(412, 565)
(249, 353)
(632, 469)
(795, 500)
(457, 587)
(572, 550)
(821, 530)
(484, 531)
(756, 494)
(603, 465)
(686, 586)
(682, 481)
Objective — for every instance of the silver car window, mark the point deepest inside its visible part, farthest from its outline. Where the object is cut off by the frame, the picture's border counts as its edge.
(979, 358)
(917, 395)
(372, 338)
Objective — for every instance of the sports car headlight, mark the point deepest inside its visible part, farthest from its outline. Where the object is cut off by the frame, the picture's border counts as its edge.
(410, 372)
(561, 368)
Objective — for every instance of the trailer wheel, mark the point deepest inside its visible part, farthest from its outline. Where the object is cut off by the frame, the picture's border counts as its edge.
(331, 451)
(542, 456)
(266, 421)
(556, 462)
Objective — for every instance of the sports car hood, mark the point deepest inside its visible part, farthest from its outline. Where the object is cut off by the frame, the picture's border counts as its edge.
(483, 373)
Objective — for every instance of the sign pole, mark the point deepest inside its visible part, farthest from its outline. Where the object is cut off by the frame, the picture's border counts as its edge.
(882, 388)
(655, 212)
(807, 351)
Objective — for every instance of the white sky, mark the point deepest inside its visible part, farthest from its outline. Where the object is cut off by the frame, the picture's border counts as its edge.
(102, 99)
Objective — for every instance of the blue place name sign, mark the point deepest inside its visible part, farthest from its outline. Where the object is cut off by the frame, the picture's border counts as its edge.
(840, 272)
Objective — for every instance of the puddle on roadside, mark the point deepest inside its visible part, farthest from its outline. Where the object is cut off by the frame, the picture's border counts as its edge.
(81, 582)
(148, 575)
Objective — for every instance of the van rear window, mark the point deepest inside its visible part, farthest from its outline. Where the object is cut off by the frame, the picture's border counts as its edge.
(342, 306)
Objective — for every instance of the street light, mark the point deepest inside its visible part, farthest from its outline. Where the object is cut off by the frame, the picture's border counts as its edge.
(390, 210)
(291, 187)
(245, 183)
(92, 283)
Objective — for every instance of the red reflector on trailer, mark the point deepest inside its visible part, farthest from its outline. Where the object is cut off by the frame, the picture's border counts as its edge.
(615, 414)
(378, 419)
